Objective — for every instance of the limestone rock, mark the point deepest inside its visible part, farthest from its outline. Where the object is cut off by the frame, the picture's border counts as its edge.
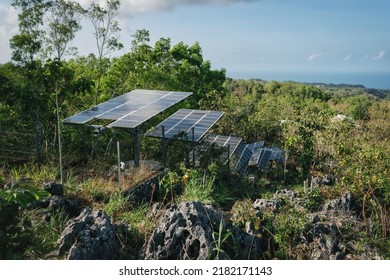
(90, 236)
(190, 231)
(54, 189)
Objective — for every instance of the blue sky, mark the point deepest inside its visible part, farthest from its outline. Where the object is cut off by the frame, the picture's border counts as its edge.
(278, 39)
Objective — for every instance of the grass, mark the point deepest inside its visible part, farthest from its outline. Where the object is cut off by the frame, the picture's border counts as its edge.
(199, 187)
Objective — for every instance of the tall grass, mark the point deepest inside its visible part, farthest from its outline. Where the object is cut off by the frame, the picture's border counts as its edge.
(199, 187)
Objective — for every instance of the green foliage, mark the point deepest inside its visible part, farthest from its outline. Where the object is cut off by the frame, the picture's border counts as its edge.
(243, 212)
(63, 24)
(45, 234)
(359, 106)
(289, 225)
(198, 187)
(15, 236)
(223, 242)
(314, 200)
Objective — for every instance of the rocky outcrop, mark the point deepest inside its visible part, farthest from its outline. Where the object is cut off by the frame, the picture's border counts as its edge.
(346, 203)
(90, 236)
(329, 233)
(54, 189)
(191, 231)
(327, 180)
(145, 192)
(56, 203)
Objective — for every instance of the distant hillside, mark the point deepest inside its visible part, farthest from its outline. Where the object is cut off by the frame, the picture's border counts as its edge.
(347, 89)
(353, 89)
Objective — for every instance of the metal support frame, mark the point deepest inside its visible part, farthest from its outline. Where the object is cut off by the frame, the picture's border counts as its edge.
(163, 150)
(137, 146)
(119, 165)
(228, 158)
(193, 147)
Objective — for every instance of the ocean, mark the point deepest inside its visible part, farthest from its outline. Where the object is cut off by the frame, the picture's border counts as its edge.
(380, 80)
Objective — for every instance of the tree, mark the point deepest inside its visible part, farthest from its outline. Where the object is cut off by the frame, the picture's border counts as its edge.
(27, 45)
(163, 67)
(106, 30)
(63, 23)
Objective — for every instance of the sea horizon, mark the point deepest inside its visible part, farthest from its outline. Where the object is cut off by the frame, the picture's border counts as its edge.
(377, 80)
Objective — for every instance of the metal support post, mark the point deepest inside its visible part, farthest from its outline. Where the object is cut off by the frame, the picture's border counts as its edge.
(228, 159)
(119, 165)
(164, 158)
(137, 146)
(193, 147)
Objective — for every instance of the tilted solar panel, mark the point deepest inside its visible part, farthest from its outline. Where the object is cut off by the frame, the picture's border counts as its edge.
(224, 141)
(186, 121)
(265, 157)
(244, 153)
(131, 109)
(256, 152)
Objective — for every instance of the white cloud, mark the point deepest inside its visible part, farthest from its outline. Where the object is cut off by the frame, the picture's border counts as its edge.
(314, 56)
(347, 57)
(379, 56)
(134, 7)
(365, 57)
(8, 28)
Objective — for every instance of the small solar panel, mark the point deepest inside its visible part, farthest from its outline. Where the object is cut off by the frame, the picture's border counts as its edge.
(131, 109)
(244, 153)
(224, 141)
(256, 152)
(183, 121)
(265, 157)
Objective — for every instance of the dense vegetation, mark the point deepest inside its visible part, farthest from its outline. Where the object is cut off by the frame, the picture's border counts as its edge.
(342, 131)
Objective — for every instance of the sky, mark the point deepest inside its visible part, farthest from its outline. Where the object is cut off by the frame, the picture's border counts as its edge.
(304, 40)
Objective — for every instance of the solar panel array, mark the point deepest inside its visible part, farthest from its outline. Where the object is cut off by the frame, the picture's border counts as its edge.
(131, 109)
(224, 141)
(186, 121)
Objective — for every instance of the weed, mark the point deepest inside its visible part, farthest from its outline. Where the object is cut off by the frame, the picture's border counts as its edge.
(220, 239)
(198, 188)
(117, 205)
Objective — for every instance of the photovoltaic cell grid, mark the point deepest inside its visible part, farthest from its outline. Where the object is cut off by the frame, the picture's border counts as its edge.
(131, 109)
(265, 157)
(183, 121)
(262, 156)
(224, 141)
(255, 154)
(243, 154)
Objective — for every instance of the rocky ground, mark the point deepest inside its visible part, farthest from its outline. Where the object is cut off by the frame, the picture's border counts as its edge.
(285, 225)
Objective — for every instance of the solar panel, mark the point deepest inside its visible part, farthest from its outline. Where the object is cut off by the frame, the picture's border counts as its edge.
(256, 150)
(224, 141)
(131, 109)
(265, 157)
(244, 153)
(183, 121)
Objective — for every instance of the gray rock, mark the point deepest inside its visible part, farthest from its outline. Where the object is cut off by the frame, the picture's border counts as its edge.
(265, 205)
(329, 180)
(90, 236)
(318, 181)
(144, 192)
(346, 203)
(284, 194)
(54, 189)
(189, 231)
